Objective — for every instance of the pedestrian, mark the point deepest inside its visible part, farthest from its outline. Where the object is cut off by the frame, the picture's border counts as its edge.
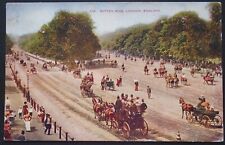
(30, 110)
(178, 137)
(20, 111)
(25, 108)
(27, 120)
(118, 105)
(21, 137)
(131, 97)
(48, 124)
(7, 103)
(143, 106)
(120, 80)
(103, 83)
(149, 91)
(24, 91)
(7, 131)
(136, 85)
(123, 67)
(28, 95)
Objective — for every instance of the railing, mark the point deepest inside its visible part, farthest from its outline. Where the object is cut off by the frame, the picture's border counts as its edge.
(56, 128)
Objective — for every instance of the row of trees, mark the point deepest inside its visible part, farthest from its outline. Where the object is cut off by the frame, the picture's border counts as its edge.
(8, 44)
(185, 36)
(68, 37)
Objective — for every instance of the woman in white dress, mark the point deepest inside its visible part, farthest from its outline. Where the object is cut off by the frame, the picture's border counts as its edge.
(27, 120)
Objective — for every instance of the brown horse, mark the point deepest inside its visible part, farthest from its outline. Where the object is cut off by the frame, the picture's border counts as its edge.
(208, 79)
(98, 107)
(109, 113)
(192, 72)
(187, 108)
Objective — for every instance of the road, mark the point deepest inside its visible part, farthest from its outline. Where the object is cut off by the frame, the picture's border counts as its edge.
(60, 94)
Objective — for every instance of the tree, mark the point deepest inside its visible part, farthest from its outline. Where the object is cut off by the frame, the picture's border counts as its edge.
(184, 36)
(68, 37)
(8, 45)
(215, 29)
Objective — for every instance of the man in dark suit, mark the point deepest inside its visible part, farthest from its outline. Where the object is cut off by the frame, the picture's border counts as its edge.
(118, 105)
(143, 106)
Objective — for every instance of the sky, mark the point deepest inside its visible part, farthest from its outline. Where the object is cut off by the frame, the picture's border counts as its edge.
(24, 18)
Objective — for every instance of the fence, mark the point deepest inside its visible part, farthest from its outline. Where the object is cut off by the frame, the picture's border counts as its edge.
(26, 93)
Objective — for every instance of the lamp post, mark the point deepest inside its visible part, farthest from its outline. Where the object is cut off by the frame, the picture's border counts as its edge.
(28, 79)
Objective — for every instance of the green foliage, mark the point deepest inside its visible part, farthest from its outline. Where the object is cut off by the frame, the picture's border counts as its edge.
(67, 37)
(8, 45)
(215, 29)
(184, 36)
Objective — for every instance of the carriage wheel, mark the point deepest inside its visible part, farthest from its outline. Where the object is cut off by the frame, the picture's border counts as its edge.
(126, 130)
(82, 93)
(190, 118)
(217, 121)
(144, 129)
(115, 125)
(205, 121)
(99, 114)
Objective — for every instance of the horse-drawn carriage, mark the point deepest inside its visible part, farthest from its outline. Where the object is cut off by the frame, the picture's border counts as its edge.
(208, 118)
(123, 121)
(23, 62)
(44, 66)
(114, 64)
(128, 123)
(85, 87)
(161, 71)
(33, 70)
(77, 73)
(218, 72)
(110, 85)
(183, 80)
(178, 68)
(208, 79)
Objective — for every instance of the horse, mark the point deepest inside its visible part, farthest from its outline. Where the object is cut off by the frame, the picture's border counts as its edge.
(109, 113)
(192, 72)
(155, 72)
(33, 70)
(44, 66)
(98, 107)
(77, 73)
(208, 79)
(21, 61)
(175, 82)
(186, 108)
(64, 68)
(183, 80)
(171, 81)
(218, 72)
(178, 68)
(24, 63)
(162, 72)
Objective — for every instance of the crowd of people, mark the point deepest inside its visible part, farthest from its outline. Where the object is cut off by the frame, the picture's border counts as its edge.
(133, 104)
(24, 113)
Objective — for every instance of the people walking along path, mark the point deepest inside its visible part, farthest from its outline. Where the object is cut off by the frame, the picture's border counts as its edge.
(16, 101)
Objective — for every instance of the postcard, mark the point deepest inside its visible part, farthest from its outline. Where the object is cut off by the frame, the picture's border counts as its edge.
(114, 71)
